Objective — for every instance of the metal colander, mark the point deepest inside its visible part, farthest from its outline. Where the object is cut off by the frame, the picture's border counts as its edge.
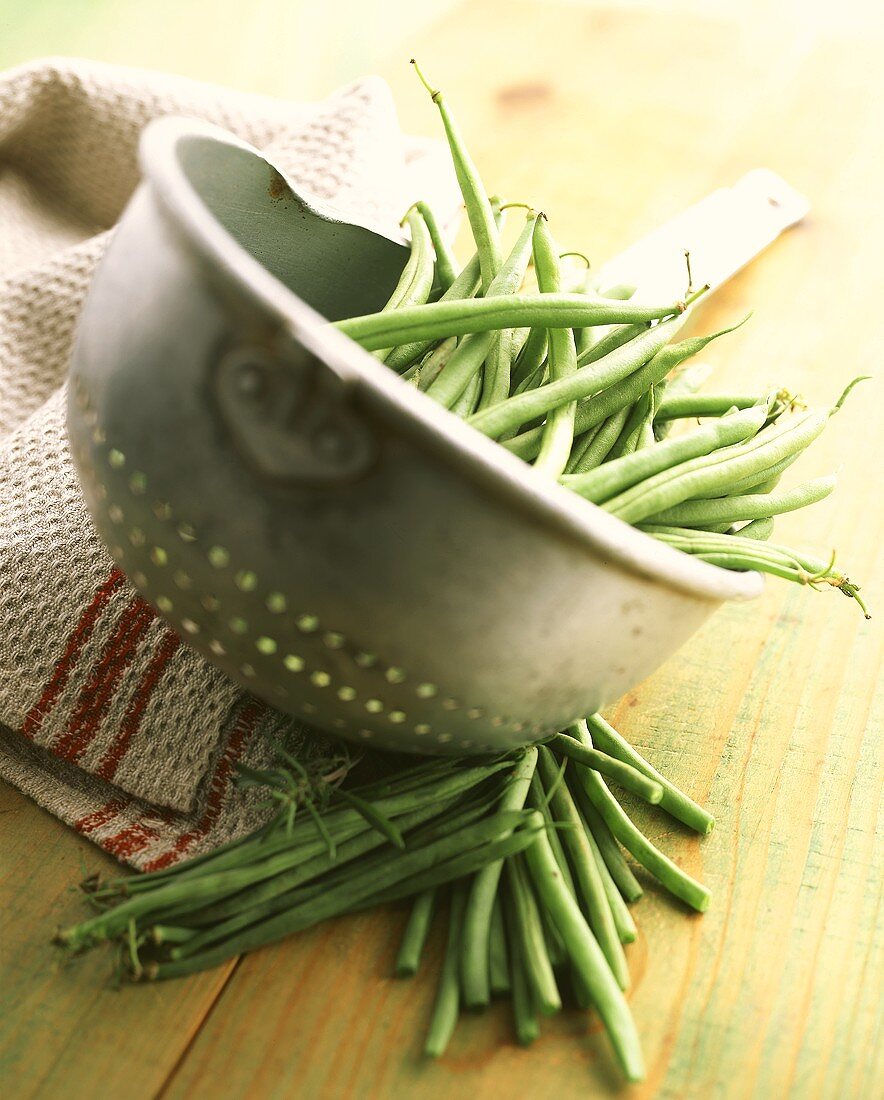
(328, 536)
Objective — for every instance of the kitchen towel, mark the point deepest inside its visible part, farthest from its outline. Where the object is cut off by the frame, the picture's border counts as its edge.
(107, 718)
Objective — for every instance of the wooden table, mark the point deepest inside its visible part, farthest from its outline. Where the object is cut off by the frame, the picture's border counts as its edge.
(612, 118)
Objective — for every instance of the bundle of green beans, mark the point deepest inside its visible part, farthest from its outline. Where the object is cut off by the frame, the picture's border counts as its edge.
(527, 848)
(587, 385)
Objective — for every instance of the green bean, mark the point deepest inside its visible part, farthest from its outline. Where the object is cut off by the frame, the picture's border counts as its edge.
(483, 890)
(676, 881)
(439, 320)
(760, 529)
(627, 441)
(683, 383)
(520, 339)
(736, 552)
(736, 559)
(213, 884)
(463, 366)
(681, 406)
(415, 936)
(342, 822)
(586, 873)
(525, 1018)
(581, 445)
(435, 362)
(611, 338)
(583, 337)
(674, 801)
(645, 433)
(629, 777)
(464, 286)
(667, 873)
(460, 866)
(764, 481)
(742, 488)
(694, 540)
(555, 949)
(537, 800)
(275, 892)
(448, 993)
(446, 859)
(588, 380)
(700, 475)
(478, 206)
(471, 353)
(498, 956)
(558, 432)
(627, 883)
(586, 958)
(498, 363)
(538, 378)
(530, 358)
(468, 401)
(416, 279)
(446, 268)
(165, 934)
(600, 407)
(732, 509)
(806, 570)
(604, 482)
(530, 945)
(623, 921)
(599, 447)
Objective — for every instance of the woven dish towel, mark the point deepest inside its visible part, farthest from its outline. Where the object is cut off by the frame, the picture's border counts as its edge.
(106, 718)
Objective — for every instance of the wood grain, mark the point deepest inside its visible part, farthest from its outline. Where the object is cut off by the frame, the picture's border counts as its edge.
(65, 1031)
(613, 119)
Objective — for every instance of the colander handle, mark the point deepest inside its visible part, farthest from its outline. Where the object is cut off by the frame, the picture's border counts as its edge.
(287, 412)
(723, 232)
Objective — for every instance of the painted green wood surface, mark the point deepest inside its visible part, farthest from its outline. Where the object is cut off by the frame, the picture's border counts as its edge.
(771, 715)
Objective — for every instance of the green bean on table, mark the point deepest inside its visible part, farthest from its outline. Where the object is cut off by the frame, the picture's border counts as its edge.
(482, 894)
(589, 887)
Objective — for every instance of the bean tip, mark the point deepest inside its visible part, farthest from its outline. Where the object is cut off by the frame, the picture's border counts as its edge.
(434, 92)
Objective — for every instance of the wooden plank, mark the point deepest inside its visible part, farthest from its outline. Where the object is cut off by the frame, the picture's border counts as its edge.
(65, 1031)
(613, 121)
(771, 714)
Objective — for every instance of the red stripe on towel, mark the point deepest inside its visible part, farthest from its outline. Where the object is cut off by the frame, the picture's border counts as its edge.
(97, 693)
(245, 726)
(130, 840)
(107, 768)
(100, 817)
(68, 660)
